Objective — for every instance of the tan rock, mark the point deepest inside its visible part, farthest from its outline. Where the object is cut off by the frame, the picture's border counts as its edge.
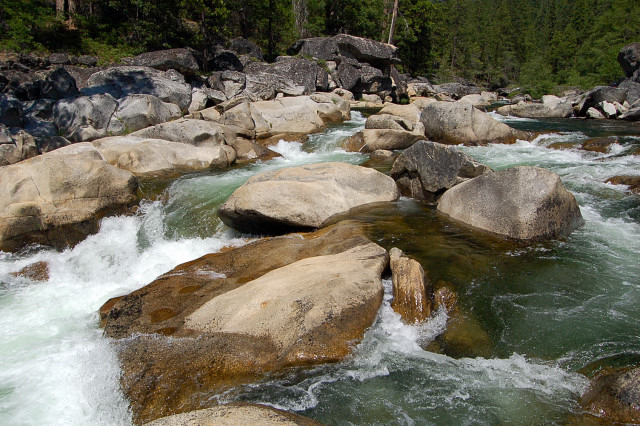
(524, 203)
(58, 199)
(199, 133)
(38, 271)
(233, 415)
(304, 197)
(412, 292)
(369, 140)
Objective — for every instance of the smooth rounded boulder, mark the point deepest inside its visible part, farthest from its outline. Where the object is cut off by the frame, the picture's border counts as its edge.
(304, 197)
(615, 396)
(57, 199)
(454, 123)
(523, 203)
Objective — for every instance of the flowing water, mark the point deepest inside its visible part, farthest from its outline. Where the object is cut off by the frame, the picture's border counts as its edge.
(546, 312)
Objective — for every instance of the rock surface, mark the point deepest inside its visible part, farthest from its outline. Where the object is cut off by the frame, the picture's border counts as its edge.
(136, 112)
(550, 107)
(233, 415)
(427, 169)
(188, 131)
(159, 373)
(181, 60)
(615, 396)
(57, 199)
(524, 203)
(412, 292)
(370, 140)
(629, 59)
(456, 123)
(304, 197)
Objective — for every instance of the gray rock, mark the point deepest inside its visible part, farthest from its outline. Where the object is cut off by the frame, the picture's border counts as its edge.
(629, 59)
(59, 58)
(304, 197)
(39, 108)
(291, 76)
(632, 90)
(595, 114)
(632, 115)
(427, 169)
(59, 85)
(181, 60)
(224, 60)
(10, 110)
(16, 146)
(193, 132)
(456, 123)
(168, 86)
(592, 98)
(84, 118)
(136, 112)
(348, 76)
(242, 46)
(523, 203)
(369, 140)
(87, 60)
(550, 107)
(457, 90)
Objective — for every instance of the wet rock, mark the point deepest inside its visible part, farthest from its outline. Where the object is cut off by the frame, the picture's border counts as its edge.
(370, 140)
(38, 271)
(168, 86)
(304, 197)
(153, 158)
(137, 112)
(456, 123)
(633, 182)
(235, 414)
(427, 169)
(180, 372)
(412, 291)
(615, 396)
(189, 131)
(524, 203)
(57, 199)
(181, 60)
(599, 144)
(550, 107)
(629, 59)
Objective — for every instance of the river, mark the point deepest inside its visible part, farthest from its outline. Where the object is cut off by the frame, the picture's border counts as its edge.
(548, 312)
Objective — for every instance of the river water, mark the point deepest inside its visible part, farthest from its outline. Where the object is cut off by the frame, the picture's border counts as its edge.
(547, 312)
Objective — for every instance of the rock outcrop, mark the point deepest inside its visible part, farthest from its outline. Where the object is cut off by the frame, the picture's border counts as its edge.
(57, 199)
(523, 203)
(629, 59)
(456, 123)
(181, 344)
(304, 197)
(427, 169)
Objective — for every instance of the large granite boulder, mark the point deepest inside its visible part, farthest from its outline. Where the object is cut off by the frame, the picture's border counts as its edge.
(427, 169)
(189, 131)
(615, 396)
(59, 84)
(456, 90)
(232, 317)
(410, 112)
(84, 118)
(304, 197)
(57, 199)
(11, 110)
(456, 123)
(629, 59)
(136, 112)
(154, 158)
(632, 90)
(235, 414)
(181, 60)
(550, 107)
(523, 203)
(370, 140)
(122, 81)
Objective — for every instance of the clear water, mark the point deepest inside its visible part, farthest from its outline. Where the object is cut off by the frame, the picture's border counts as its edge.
(550, 311)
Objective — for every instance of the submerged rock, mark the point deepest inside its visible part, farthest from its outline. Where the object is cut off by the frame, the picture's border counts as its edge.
(524, 203)
(633, 182)
(232, 317)
(235, 414)
(412, 292)
(304, 197)
(38, 271)
(427, 169)
(456, 123)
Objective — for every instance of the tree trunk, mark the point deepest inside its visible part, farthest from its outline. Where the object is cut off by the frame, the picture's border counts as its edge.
(301, 13)
(60, 8)
(394, 16)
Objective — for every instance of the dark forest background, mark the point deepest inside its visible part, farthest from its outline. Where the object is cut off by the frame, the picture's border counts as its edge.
(544, 44)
